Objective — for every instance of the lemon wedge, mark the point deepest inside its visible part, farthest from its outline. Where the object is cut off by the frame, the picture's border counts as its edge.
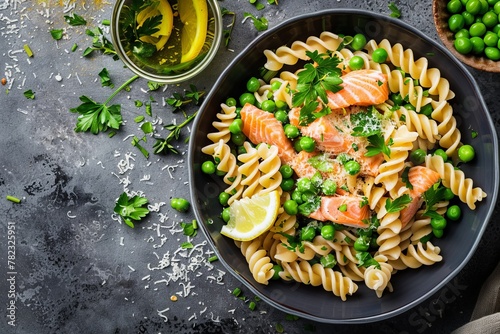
(250, 217)
(159, 38)
(194, 17)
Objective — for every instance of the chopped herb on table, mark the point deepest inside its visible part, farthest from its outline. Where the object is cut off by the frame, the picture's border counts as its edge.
(75, 20)
(29, 94)
(131, 209)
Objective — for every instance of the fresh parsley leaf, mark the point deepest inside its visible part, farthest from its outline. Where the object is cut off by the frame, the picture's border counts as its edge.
(189, 229)
(99, 43)
(98, 117)
(395, 12)
(57, 34)
(152, 86)
(313, 83)
(165, 145)
(131, 209)
(305, 209)
(105, 79)
(29, 94)
(366, 260)
(229, 31)
(433, 195)
(398, 204)
(187, 245)
(377, 145)
(136, 143)
(75, 20)
(259, 24)
(404, 178)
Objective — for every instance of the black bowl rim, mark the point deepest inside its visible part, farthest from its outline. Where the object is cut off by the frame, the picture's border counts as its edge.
(459, 65)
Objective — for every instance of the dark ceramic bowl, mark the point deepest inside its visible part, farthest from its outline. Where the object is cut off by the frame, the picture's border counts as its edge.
(411, 287)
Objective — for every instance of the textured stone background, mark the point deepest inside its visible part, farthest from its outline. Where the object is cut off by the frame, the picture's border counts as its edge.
(80, 271)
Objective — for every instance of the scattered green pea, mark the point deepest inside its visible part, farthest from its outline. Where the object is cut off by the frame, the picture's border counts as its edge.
(453, 212)
(307, 144)
(225, 215)
(286, 171)
(291, 207)
(438, 223)
(268, 105)
(328, 232)
(208, 167)
(358, 42)
(287, 184)
(179, 204)
(379, 55)
(440, 152)
(356, 63)
(224, 198)
(247, 98)
(307, 233)
(466, 153)
(291, 131)
(281, 116)
(352, 167)
(253, 84)
(236, 126)
(418, 156)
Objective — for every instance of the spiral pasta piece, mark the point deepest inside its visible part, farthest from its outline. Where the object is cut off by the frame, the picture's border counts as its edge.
(226, 117)
(402, 143)
(418, 69)
(447, 127)
(259, 263)
(229, 166)
(270, 178)
(455, 180)
(378, 279)
(316, 274)
(389, 229)
(285, 55)
(425, 127)
(353, 271)
(419, 255)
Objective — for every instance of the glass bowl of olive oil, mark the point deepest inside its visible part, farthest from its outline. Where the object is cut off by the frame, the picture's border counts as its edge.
(166, 41)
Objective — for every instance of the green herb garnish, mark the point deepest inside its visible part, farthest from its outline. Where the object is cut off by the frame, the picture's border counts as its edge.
(378, 145)
(433, 195)
(29, 94)
(75, 20)
(259, 24)
(313, 82)
(105, 79)
(395, 12)
(57, 34)
(366, 260)
(98, 117)
(99, 43)
(131, 209)
(398, 204)
(165, 145)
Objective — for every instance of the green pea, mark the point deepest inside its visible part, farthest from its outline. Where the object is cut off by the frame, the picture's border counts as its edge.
(466, 153)
(275, 85)
(328, 261)
(454, 6)
(427, 110)
(462, 33)
(379, 55)
(277, 269)
(238, 138)
(231, 102)
(490, 39)
(453, 212)
(291, 207)
(307, 144)
(179, 204)
(438, 223)
(463, 45)
(281, 116)
(440, 152)
(305, 184)
(281, 105)
(477, 45)
(247, 98)
(253, 84)
(356, 63)
(397, 99)
(492, 53)
(418, 156)
(296, 145)
(448, 194)
(492, 2)
(473, 6)
(490, 19)
(477, 29)
(328, 232)
(437, 233)
(361, 244)
(208, 167)
(484, 7)
(268, 105)
(224, 198)
(352, 167)
(468, 18)
(496, 8)
(307, 233)
(456, 22)
(236, 126)
(286, 171)
(329, 187)
(225, 214)
(358, 42)
(291, 131)
(409, 106)
(308, 196)
(287, 184)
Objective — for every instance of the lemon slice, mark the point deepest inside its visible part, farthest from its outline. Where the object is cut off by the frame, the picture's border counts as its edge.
(250, 217)
(194, 17)
(159, 38)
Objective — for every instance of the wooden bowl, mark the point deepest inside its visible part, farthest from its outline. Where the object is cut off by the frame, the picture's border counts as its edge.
(441, 16)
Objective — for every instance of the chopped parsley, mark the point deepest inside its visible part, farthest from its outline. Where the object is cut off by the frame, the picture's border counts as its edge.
(57, 34)
(131, 209)
(366, 123)
(398, 204)
(29, 94)
(378, 145)
(395, 12)
(261, 24)
(314, 82)
(75, 20)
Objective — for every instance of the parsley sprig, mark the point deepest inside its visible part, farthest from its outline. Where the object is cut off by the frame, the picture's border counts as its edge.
(165, 145)
(397, 204)
(378, 145)
(131, 209)
(313, 82)
(98, 117)
(99, 43)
